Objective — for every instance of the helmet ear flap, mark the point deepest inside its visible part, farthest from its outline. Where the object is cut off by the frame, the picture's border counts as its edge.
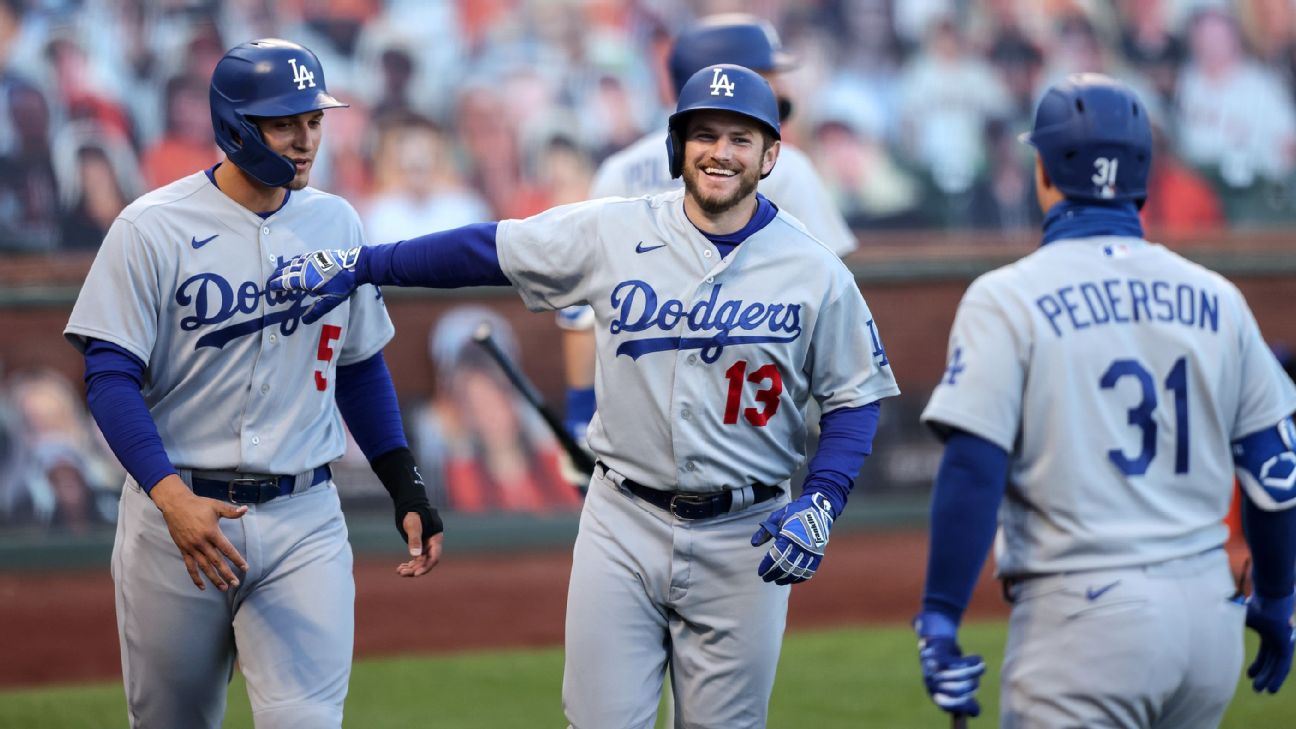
(675, 151)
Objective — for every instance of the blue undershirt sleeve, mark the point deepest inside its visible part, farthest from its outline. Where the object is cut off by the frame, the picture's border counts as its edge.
(1271, 535)
(367, 399)
(964, 516)
(113, 380)
(449, 259)
(845, 440)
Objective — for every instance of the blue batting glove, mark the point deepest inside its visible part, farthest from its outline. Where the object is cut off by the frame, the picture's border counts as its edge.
(329, 275)
(1271, 619)
(800, 533)
(952, 679)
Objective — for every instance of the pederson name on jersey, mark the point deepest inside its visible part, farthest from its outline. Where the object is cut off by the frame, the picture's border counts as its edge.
(1128, 301)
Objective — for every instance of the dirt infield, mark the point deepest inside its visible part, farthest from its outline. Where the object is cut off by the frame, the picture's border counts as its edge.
(60, 627)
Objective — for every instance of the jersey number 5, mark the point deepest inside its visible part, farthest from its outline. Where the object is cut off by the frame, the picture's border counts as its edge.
(1141, 414)
(329, 334)
(768, 397)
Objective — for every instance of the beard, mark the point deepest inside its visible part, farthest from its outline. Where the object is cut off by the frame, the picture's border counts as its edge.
(715, 205)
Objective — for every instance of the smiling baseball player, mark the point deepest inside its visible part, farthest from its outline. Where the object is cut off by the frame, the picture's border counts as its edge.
(225, 408)
(641, 169)
(1104, 389)
(718, 318)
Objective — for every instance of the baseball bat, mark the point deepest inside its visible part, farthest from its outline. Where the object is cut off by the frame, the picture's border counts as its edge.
(958, 721)
(580, 458)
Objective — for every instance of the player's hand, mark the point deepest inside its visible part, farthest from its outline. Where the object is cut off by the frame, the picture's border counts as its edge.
(951, 678)
(800, 533)
(194, 525)
(329, 275)
(425, 551)
(1272, 620)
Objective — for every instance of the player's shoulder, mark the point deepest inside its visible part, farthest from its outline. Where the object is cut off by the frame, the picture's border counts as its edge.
(799, 242)
(155, 202)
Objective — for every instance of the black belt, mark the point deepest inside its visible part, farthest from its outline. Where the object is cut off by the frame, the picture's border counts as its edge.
(253, 488)
(690, 506)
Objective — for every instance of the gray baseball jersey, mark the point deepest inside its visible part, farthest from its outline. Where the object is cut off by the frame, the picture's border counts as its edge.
(794, 186)
(705, 365)
(234, 382)
(1117, 373)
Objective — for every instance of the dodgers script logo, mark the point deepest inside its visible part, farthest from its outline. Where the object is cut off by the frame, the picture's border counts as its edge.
(214, 301)
(638, 310)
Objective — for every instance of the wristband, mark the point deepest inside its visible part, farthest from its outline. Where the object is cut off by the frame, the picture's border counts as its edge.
(400, 476)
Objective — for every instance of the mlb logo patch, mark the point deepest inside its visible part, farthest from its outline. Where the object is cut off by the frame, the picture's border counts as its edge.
(1116, 250)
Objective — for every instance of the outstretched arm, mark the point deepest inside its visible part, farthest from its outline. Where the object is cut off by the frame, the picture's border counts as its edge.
(455, 258)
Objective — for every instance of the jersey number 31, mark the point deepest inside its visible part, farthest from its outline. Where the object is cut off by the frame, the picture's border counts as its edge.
(1141, 414)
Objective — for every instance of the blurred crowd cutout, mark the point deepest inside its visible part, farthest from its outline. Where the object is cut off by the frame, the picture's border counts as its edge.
(56, 472)
(465, 111)
(480, 446)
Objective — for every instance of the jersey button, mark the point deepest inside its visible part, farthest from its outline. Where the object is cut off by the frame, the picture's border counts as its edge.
(692, 359)
(265, 230)
(706, 253)
(710, 279)
(690, 466)
(686, 414)
(256, 440)
(265, 389)
(273, 339)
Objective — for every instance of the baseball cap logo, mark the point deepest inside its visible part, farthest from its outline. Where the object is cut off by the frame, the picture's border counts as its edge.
(720, 82)
(302, 76)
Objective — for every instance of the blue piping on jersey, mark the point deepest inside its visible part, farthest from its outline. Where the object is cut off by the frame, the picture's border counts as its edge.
(1071, 219)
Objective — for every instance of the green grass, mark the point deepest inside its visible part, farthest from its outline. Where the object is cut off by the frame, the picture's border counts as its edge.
(841, 678)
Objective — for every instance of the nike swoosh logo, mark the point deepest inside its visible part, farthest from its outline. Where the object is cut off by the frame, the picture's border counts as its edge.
(200, 243)
(1093, 594)
(641, 248)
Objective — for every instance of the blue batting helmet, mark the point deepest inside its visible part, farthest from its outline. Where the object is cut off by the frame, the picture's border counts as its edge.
(264, 78)
(722, 87)
(1095, 138)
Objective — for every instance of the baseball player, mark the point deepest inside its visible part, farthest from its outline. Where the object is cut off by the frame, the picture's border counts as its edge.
(225, 408)
(641, 169)
(718, 318)
(1099, 394)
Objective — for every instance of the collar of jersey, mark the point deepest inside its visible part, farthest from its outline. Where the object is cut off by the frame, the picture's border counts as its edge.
(211, 175)
(765, 212)
(1072, 219)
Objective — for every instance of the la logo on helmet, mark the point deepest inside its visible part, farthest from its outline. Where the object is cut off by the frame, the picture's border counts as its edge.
(720, 82)
(301, 75)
